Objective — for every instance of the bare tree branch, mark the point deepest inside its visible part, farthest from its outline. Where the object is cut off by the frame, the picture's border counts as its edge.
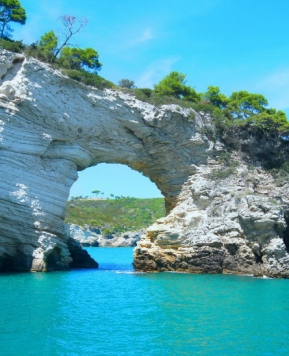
(71, 26)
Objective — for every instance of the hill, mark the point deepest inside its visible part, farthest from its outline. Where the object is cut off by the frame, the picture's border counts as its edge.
(115, 215)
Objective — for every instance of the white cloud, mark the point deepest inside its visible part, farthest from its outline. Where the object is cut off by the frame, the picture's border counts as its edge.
(275, 86)
(155, 72)
(145, 36)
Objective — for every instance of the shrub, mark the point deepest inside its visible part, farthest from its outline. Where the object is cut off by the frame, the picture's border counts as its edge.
(13, 46)
(226, 171)
(88, 78)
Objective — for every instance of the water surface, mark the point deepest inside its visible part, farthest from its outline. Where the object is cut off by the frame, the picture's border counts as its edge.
(114, 311)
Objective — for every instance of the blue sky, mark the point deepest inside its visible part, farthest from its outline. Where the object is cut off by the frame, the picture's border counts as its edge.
(233, 44)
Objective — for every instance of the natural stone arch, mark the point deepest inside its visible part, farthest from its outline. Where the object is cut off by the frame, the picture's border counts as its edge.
(51, 127)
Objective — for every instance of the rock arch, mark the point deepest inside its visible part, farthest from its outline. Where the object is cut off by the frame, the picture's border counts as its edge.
(51, 127)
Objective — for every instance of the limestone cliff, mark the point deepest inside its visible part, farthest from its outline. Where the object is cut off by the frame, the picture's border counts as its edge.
(51, 127)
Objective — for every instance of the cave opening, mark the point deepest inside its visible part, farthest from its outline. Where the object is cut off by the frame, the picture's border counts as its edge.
(111, 205)
(53, 259)
(7, 264)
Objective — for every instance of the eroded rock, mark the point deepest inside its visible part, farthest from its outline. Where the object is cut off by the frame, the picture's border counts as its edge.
(227, 222)
(87, 237)
(51, 127)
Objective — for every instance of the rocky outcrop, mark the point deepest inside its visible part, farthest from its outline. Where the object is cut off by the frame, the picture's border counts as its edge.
(51, 127)
(80, 258)
(89, 237)
(234, 225)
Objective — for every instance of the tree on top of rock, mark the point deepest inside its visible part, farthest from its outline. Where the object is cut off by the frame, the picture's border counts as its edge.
(71, 26)
(126, 83)
(48, 45)
(174, 85)
(10, 11)
(77, 58)
(215, 97)
(243, 105)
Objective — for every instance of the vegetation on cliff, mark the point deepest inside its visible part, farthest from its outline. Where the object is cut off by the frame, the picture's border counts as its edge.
(243, 120)
(239, 109)
(77, 63)
(115, 215)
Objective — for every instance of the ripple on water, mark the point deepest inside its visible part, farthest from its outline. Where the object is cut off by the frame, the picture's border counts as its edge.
(115, 311)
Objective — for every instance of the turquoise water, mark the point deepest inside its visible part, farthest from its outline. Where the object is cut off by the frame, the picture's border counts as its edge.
(112, 311)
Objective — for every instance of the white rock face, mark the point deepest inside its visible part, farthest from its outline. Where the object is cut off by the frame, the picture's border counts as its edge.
(87, 237)
(51, 127)
(223, 226)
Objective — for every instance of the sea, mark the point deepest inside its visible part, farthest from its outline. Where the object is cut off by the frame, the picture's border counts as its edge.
(115, 311)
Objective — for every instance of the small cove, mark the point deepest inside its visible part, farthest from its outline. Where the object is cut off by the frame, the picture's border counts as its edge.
(114, 311)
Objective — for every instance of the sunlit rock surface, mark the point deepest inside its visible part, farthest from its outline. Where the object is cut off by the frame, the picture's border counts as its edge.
(51, 127)
(235, 225)
(90, 237)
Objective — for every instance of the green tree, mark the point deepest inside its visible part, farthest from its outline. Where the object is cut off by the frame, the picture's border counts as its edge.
(77, 58)
(192, 95)
(271, 121)
(126, 83)
(174, 85)
(96, 192)
(48, 45)
(242, 105)
(215, 97)
(10, 11)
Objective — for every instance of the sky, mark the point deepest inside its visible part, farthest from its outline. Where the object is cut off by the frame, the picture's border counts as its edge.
(233, 44)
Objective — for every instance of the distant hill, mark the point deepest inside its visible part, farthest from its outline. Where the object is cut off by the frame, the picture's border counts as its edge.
(115, 215)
